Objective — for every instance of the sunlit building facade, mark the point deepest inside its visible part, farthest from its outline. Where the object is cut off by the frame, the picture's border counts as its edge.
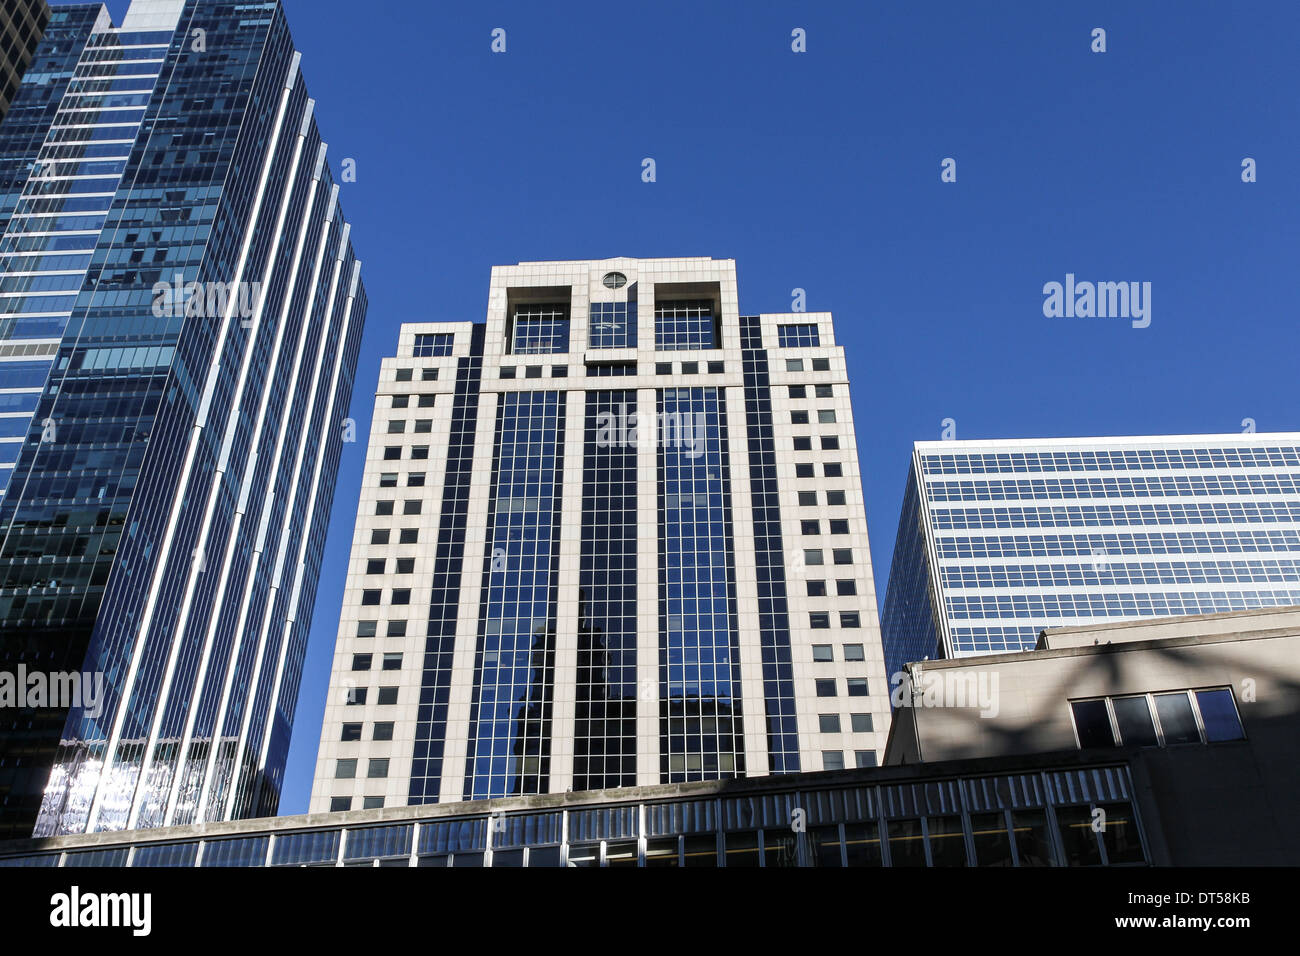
(182, 312)
(614, 536)
(999, 540)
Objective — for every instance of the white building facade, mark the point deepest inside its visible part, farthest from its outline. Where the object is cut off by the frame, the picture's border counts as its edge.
(615, 536)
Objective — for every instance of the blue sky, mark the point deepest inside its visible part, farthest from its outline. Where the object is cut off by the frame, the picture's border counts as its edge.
(821, 171)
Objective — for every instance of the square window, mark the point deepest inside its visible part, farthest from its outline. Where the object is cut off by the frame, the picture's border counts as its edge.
(858, 687)
(412, 507)
(803, 443)
(799, 418)
(507, 371)
(794, 365)
(383, 507)
(803, 471)
(419, 452)
(825, 391)
(345, 769)
(861, 723)
(388, 480)
(533, 371)
(826, 687)
(839, 526)
(813, 557)
(835, 498)
(690, 368)
(392, 662)
(808, 498)
(351, 732)
(429, 375)
(415, 479)
(854, 652)
(423, 426)
(428, 401)
(407, 566)
(340, 804)
(403, 375)
(833, 470)
(821, 365)
(830, 443)
(850, 619)
(366, 628)
(378, 768)
(383, 730)
(393, 453)
(361, 662)
(716, 368)
(865, 758)
(811, 527)
(373, 803)
(402, 596)
(843, 555)
(357, 696)
(826, 416)
(823, 653)
(379, 536)
(819, 620)
(559, 371)
(370, 597)
(826, 724)
(797, 336)
(376, 566)
(409, 536)
(663, 368)
(401, 401)
(832, 760)
(387, 696)
(434, 345)
(798, 391)
(843, 588)
(397, 428)
(397, 629)
(816, 588)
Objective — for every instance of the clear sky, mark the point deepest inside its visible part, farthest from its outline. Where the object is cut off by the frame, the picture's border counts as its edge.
(821, 171)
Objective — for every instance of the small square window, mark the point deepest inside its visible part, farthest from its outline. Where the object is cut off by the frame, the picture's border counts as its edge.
(397, 629)
(826, 724)
(392, 662)
(813, 557)
(402, 596)
(821, 365)
(340, 804)
(378, 767)
(865, 758)
(850, 619)
(825, 391)
(811, 527)
(366, 628)
(861, 723)
(393, 453)
(407, 566)
(854, 652)
(379, 536)
(428, 401)
(858, 687)
(826, 416)
(409, 536)
(361, 662)
(533, 371)
(507, 371)
(839, 526)
(803, 471)
(429, 375)
(357, 696)
(372, 803)
(383, 507)
(803, 443)
(387, 696)
(376, 566)
(716, 368)
(401, 401)
(799, 418)
(819, 620)
(423, 426)
(345, 769)
(835, 498)
(816, 588)
(843, 555)
(826, 687)
(794, 365)
(823, 653)
(830, 443)
(663, 368)
(419, 452)
(383, 730)
(350, 732)
(388, 480)
(843, 587)
(798, 391)
(415, 479)
(369, 598)
(397, 427)
(403, 375)
(833, 470)
(690, 368)
(412, 507)
(832, 760)
(559, 371)
(808, 498)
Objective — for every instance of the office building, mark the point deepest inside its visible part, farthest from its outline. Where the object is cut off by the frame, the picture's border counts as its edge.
(22, 23)
(182, 318)
(614, 536)
(999, 540)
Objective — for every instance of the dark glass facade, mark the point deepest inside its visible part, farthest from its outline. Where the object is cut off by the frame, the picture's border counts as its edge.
(179, 512)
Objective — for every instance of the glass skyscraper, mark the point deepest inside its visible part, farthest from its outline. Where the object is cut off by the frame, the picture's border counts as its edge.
(614, 536)
(180, 321)
(999, 540)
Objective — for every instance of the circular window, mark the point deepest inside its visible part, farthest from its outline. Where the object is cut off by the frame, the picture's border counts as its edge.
(614, 280)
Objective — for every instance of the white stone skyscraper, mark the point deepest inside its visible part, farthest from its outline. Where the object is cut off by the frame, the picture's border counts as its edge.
(614, 536)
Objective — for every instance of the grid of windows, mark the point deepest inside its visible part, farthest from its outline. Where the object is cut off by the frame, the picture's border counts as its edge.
(436, 345)
(681, 326)
(540, 330)
(699, 665)
(612, 325)
(1053, 537)
(435, 682)
(797, 336)
(510, 716)
(605, 717)
(769, 553)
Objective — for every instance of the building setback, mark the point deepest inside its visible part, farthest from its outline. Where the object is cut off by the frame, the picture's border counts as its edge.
(999, 540)
(613, 537)
(183, 309)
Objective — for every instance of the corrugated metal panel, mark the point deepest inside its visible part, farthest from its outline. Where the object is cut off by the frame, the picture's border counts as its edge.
(606, 823)
(690, 816)
(528, 830)
(921, 799)
(835, 806)
(454, 836)
(747, 813)
(1088, 786)
(1009, 792)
